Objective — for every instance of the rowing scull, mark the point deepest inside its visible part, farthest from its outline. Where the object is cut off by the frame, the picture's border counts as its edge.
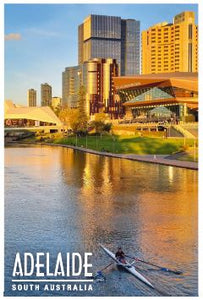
(129, 267)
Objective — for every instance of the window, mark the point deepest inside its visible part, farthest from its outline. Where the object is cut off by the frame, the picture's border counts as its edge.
(190, 31)
(189, 57)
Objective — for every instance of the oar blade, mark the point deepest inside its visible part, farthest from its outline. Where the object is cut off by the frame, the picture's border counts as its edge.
(171, 271)
(161, 268)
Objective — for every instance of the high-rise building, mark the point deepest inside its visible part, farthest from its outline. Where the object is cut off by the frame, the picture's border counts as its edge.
(32, 97)
(97, 78)
(46, 94)
(130, 47)
(71, 81)
(171, 47)
(96, 75)
(110, 37)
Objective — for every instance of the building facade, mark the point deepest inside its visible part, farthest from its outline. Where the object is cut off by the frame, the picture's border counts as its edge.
(174, 95)
(71, 82)
(130, 47)
(171, 47)
(32, 97)
(97, 78)
(110, 37)
(46, 94)
(96, 75)
(30, 117)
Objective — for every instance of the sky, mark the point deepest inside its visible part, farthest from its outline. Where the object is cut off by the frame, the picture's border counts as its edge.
(41, 39)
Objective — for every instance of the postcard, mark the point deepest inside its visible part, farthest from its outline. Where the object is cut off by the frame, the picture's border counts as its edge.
(101, 149)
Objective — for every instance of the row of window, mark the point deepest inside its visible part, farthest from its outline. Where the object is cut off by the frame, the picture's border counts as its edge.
(165, 34)
(160, 70)
(159, 55)
(165, 46)
(165, 29)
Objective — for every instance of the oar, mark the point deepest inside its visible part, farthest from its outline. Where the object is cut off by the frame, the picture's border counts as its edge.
(162, 268)
(99, 273)
(106, 267)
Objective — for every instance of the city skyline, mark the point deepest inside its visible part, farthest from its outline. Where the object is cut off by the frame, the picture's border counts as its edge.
(38, 49)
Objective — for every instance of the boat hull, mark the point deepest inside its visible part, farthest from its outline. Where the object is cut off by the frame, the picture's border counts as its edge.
(131, 269)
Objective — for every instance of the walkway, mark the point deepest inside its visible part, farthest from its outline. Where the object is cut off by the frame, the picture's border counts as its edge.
(155, 159)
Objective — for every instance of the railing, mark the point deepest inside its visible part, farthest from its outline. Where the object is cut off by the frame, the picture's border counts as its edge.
(147, 120)
(184, 131)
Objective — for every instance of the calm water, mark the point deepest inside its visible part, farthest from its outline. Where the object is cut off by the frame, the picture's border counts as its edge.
(60, 200)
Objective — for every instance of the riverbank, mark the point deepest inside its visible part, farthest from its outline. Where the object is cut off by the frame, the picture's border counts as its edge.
(168, 160)
(155, 159)
(139, 145)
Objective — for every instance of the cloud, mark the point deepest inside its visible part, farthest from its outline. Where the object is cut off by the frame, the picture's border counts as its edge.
(41, 32)
(13, 36)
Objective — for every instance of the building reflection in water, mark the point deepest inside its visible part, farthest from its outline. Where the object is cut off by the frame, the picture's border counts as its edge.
(153, 205)
(80, 200)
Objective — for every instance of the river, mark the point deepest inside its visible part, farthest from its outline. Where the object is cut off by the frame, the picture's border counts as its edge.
(62, 200)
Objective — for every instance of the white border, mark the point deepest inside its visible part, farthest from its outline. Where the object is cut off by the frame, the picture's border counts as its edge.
(200, 24)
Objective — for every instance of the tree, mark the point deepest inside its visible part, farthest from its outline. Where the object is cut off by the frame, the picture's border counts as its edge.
(70, 117)
(82, 114)
(65, 116)
(56, 109)
(100, 117)
(76, 118)
(99, 123)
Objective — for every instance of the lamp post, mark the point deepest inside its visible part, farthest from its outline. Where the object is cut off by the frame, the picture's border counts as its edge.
(76, 140)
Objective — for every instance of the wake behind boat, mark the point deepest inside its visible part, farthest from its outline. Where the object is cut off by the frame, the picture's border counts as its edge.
(128, 266)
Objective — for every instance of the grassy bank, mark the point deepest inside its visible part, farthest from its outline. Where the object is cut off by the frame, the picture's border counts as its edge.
(126, 144)
(190, 156)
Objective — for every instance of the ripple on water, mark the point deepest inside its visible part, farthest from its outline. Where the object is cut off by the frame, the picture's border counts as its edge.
(57, 200)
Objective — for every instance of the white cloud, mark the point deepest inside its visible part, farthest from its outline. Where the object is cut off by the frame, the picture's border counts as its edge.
(13, 36)
(44, 33)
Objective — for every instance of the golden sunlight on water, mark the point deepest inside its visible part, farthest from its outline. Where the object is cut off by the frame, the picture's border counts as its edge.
(150, 210)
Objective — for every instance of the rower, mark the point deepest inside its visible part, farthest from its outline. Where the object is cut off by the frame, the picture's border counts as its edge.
(120, 255)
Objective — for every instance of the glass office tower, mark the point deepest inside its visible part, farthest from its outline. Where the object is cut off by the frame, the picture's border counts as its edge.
(110, 37)
(71, 82)
(130, 47)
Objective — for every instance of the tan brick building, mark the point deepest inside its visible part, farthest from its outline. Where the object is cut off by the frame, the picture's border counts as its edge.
(171, 47)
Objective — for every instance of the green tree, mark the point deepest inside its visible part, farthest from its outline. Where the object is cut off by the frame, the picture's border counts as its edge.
(76, 118)
(99, 123)
(82, 114)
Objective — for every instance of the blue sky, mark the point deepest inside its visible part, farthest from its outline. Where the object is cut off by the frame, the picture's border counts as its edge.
(41, 39)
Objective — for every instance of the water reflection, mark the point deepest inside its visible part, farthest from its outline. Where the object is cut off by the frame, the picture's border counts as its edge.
(156, 204)
(83, 199)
